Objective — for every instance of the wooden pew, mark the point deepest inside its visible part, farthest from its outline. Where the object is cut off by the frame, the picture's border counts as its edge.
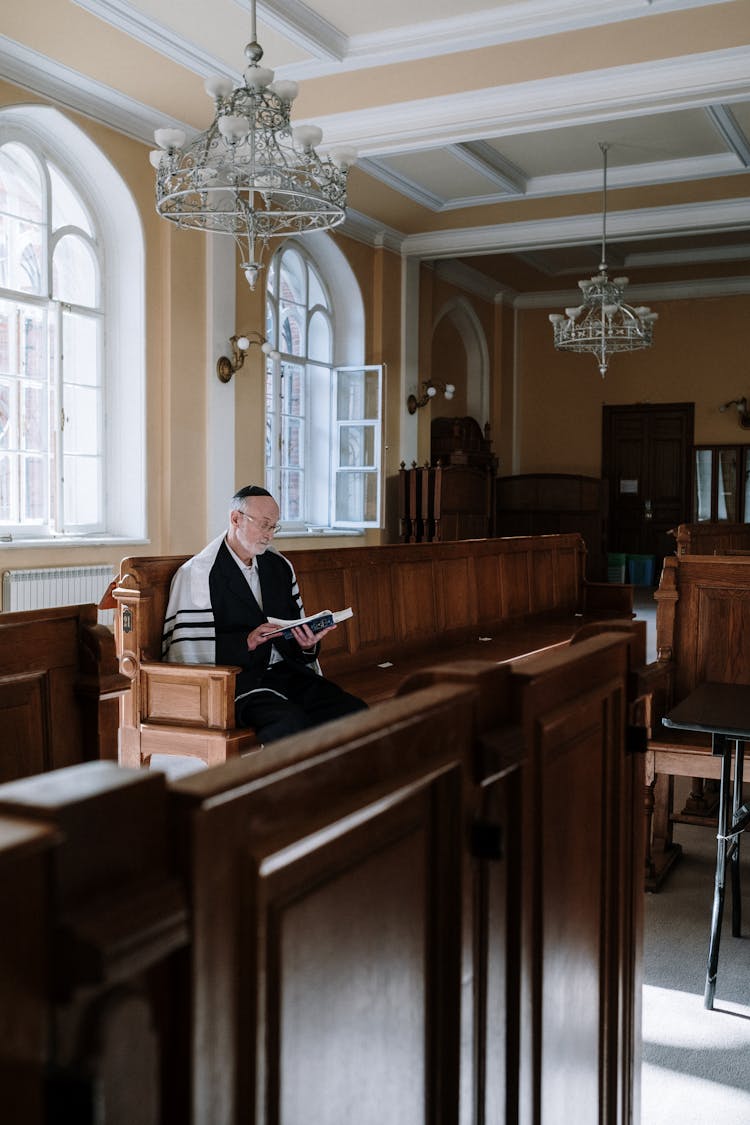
(711, 538)
(702, 621)
(59, 690)
(390, 918)
(413, 604)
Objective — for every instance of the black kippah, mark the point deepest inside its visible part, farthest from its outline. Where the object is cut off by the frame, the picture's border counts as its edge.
(250, 490)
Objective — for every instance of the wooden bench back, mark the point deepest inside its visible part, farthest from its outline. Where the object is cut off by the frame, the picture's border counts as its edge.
(711, 538)
(59, 684)
(403, 595)
(703, 619)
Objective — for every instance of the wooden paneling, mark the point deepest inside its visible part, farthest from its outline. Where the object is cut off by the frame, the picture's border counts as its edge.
(576, 912)
(422, 913)
(59, 688)
(413, 603)
(327, 941)
(711, 538)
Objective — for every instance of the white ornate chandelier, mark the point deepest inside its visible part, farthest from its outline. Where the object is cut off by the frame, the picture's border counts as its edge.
(603, 324)
(250, 174)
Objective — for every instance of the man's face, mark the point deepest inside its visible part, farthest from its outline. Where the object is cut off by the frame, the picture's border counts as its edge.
(252, 530)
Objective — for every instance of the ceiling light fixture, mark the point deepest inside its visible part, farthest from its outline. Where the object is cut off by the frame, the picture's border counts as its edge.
(250, 174)
(604, 323)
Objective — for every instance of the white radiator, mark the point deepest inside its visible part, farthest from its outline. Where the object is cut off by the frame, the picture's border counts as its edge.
(60, 585)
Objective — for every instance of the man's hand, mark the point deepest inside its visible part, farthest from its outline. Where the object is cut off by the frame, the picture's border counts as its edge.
(260, 635)
(305, 637)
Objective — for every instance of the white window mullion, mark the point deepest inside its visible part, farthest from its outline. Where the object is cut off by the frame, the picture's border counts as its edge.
(57, 408)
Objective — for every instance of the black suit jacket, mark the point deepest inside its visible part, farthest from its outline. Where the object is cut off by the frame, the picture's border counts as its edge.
(236, 613)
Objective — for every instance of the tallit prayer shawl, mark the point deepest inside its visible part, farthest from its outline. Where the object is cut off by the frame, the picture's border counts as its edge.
(189, 619)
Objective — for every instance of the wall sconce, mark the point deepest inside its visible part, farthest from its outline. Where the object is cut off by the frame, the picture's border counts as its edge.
(226, 367)
(743, 416)
(429, 390)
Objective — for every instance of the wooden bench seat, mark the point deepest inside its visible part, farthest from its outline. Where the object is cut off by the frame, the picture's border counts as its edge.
(414, 604)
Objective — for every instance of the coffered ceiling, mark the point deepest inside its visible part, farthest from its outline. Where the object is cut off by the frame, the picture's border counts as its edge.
(478, 130)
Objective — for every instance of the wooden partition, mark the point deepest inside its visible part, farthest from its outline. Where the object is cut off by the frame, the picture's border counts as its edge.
(394, 917)
(59, 690)
(711, 538)
(543, 503)
(413, 604)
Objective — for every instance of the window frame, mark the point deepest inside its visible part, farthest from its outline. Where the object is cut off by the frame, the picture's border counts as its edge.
(742, 498)
(319, 464)
(108, 203)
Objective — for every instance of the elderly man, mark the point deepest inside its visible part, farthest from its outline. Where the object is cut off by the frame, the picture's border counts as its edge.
(218, 612)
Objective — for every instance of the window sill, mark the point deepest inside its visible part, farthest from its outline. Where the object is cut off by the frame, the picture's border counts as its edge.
(320, 533)
(72, 541)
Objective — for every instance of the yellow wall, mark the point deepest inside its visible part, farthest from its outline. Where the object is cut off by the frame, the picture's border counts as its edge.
(699, 355)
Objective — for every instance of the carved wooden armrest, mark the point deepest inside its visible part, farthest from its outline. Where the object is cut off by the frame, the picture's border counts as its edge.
(200, 695)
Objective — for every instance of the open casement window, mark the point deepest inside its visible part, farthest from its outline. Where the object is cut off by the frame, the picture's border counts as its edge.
(722, 484)
(356, 468)
(323, 422)
(51, 329)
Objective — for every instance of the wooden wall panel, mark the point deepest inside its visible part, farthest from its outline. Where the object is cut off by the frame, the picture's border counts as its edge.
(345, 934)
(416, 602)
(455, 585)
(515, 582)
(371, 597)
(577, 946)
(327, 941)
(24, 713)
(58, 690)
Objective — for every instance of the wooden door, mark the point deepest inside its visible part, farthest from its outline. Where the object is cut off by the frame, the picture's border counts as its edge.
(646, 457)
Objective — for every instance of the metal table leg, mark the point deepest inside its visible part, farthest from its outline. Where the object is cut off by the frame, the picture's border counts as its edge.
(733, 846)
(720, 746)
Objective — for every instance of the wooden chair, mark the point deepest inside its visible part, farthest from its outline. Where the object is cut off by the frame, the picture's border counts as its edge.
(176, 709)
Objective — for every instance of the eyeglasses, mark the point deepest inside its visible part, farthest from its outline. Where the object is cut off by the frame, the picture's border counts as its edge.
(263, 525)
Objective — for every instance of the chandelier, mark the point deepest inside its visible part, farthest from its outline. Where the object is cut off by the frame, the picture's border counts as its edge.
(250, 174)
(603, 324)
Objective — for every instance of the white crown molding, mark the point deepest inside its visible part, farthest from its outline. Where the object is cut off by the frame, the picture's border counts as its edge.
(402, 184)
(159, 37)
(662, 258)
(636, 294)
(691, 218)
(527, 19)
(370, 232)
(471, 280)
(585, 98)
(41, 75)
(332, 51)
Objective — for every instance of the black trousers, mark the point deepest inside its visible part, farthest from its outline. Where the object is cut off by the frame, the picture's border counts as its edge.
(310, 700)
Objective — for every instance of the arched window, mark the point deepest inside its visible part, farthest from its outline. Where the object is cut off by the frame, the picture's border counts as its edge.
(63, 468)
(323, 420)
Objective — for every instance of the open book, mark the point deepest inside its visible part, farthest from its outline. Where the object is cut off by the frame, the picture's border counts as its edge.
(315, 622)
